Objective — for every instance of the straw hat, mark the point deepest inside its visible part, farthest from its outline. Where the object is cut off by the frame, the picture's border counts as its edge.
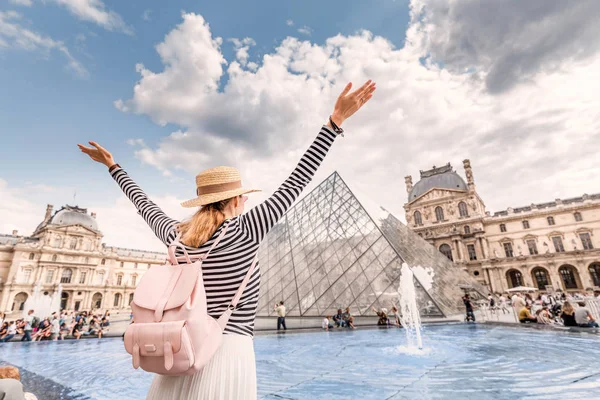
(216, 184)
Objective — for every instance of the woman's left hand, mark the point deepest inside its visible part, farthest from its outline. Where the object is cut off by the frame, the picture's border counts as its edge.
(348, 103)
(99, 154)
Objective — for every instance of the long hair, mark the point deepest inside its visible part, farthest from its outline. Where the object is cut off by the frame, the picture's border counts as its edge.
(203, 224)
(568, 308)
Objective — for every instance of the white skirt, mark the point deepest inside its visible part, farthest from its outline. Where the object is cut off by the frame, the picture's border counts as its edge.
(229, 375)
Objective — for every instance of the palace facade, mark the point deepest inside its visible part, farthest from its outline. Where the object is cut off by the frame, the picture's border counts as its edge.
(66, 249)
(550, 246)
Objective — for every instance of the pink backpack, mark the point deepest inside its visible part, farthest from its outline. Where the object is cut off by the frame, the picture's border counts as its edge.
(172, 333)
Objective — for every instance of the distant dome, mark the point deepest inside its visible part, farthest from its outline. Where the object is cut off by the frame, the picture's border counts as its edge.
(74, 216)
(441, 178)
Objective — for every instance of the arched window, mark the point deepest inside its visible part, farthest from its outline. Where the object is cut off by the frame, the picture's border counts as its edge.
(31, 256)
(540, 277)
(467, 230)
(130, 298)
(595, 273)
(439, 214)
(97, 300)
(568, 273)
(577, 216)
(117, 301)
(418, 219)
(19, 301)
(66, 276)
(119, 279)
(514, 278)
(550, 220)
(54, 257)
(103, 262)
(447, 251)
(463, 211)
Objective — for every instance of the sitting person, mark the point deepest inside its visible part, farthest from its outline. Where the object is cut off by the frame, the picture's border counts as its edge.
(11, 387)
(4, 330)
(568, 314)
(525, 315)
(11, 331)
(383, 317)
(78, 329)
(94, 328)
(348, 318)
(64, 331)
(338, 320)
(325, 324)
(43, 332)
(543, 317)
(583, 317)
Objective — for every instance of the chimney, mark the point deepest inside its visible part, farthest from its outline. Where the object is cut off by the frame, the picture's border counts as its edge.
(93, 215)
(469, 174)
(409, 183)
(48, 215)
(15, 232)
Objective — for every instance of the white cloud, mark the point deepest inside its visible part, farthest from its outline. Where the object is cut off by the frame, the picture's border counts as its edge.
(535, 142)
(241, 48)
(95, 11)
(117, 218)
(305, 30)
(147, 15)
(15, 35)
(289, 22)
(26, 3)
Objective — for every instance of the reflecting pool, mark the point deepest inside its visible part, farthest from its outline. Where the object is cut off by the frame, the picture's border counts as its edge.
(458, 362)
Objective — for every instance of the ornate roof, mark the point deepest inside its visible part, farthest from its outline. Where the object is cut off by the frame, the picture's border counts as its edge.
(437, 177)
(69, 215)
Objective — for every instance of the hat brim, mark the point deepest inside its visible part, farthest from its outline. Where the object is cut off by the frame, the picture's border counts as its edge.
(205, 199)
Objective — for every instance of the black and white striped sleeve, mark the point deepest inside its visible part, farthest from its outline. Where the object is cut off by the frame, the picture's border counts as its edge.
(160, 223)
(259, 220)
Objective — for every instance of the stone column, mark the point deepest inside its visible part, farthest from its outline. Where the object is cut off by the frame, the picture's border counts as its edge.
(458, 250)
(482, 246)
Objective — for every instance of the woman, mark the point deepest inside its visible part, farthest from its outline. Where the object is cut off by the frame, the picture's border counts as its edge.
(568, 314)
(231, 373)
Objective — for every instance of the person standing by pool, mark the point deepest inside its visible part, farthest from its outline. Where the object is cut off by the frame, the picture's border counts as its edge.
(468, 308)
(280, 310)
(28, 326)
(231, 372)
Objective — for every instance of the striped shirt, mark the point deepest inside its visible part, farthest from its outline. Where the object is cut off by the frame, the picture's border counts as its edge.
(227, 264)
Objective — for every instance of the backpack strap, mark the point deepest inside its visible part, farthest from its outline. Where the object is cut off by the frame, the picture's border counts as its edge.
(177, 244)
(224, 318)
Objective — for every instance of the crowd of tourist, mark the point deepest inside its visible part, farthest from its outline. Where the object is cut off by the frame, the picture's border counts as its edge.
(345, 319)
(58, 326)
(559, 309)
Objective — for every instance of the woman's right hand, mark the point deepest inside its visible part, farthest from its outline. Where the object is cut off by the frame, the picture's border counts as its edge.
(99, 154)
(348, 103)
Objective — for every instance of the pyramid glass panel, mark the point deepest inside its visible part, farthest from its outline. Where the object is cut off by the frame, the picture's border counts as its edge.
(334, 249)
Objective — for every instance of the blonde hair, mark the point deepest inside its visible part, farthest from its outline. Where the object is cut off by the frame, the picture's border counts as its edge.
(203, 224)
(10, 373)
(568, 308)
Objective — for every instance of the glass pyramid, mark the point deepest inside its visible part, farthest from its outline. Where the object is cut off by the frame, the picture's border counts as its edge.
(329, 252)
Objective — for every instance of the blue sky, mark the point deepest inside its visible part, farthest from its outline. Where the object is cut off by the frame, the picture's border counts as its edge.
(506, 85)
(45, 110)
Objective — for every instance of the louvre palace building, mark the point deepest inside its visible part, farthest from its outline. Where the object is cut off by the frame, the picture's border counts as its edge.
(551, 246)
(66, 249)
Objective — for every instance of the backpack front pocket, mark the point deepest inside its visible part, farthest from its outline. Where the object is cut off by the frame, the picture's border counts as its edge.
(160, 347)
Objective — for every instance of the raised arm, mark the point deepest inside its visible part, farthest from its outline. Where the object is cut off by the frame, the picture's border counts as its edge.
(263, 217)
(160, 223)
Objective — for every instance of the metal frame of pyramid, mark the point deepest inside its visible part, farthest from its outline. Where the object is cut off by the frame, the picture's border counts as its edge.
(329, 252)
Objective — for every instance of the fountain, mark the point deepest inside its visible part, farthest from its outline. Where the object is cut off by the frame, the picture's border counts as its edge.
(43, 304)
(409, 312)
